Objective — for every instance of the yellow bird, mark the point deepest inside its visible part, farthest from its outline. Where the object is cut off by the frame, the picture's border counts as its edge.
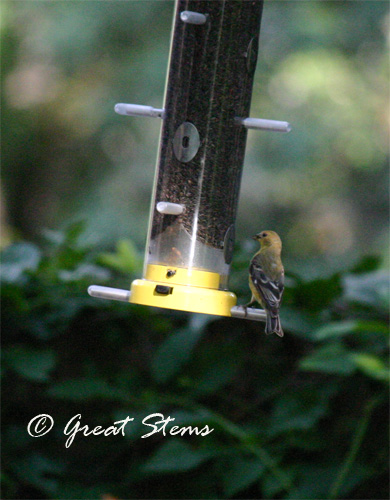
(266, 279)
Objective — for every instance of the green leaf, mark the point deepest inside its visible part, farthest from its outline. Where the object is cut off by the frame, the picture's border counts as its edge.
(372, 366)
(370, 289)
(175, 456)
(86, 389)
(126, 259)
(314, 481)
(240, 474)
(318, 294)
(333, 358)
(332, 330)
(177, 349)
(367, 264)
(36, 469)
(17, 259)
(271, 485)
(301, 409)
(341, 328)
(55, 238)
(30, 363)
(84, 271)
(74, 231)
(218, 374)
(298, 322)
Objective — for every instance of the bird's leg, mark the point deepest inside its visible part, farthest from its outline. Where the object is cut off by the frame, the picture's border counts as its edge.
(245, 307)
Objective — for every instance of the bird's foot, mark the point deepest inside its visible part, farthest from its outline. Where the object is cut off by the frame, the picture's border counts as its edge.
(245, 307)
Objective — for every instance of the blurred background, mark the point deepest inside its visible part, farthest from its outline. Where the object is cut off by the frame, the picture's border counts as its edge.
(323, 66)
(305, 417)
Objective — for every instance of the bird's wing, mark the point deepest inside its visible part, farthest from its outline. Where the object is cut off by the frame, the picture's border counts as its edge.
(271, 291)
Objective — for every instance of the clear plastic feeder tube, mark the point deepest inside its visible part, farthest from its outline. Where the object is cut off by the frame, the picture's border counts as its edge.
(202, 145)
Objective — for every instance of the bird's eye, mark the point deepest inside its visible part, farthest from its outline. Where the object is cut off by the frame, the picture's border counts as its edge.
(264, 235)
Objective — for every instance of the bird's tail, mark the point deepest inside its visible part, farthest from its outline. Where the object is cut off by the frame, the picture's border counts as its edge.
(273, 325)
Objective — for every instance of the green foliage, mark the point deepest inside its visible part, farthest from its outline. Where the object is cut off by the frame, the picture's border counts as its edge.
(174, 456)
(124, 260)
(30, 363)
(300, 417)
(241, 473)
(176, 350)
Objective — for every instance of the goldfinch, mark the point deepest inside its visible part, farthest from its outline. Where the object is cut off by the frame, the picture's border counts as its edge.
(266, 279)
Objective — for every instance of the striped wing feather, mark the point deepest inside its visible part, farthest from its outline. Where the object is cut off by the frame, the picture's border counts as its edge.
(271, 291)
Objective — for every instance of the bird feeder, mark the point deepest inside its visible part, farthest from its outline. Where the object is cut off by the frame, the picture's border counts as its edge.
(205, 119)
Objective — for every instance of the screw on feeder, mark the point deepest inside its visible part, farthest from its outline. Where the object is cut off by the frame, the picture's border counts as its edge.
(138, 110)
(261, 124)
(190, 17)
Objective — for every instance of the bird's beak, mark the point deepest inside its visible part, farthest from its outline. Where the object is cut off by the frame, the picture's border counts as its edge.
(255, 237)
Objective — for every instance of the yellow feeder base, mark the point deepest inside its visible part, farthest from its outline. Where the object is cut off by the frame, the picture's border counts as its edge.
(182, 289)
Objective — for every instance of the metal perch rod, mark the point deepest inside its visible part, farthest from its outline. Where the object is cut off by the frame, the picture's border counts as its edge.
(105, 292)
